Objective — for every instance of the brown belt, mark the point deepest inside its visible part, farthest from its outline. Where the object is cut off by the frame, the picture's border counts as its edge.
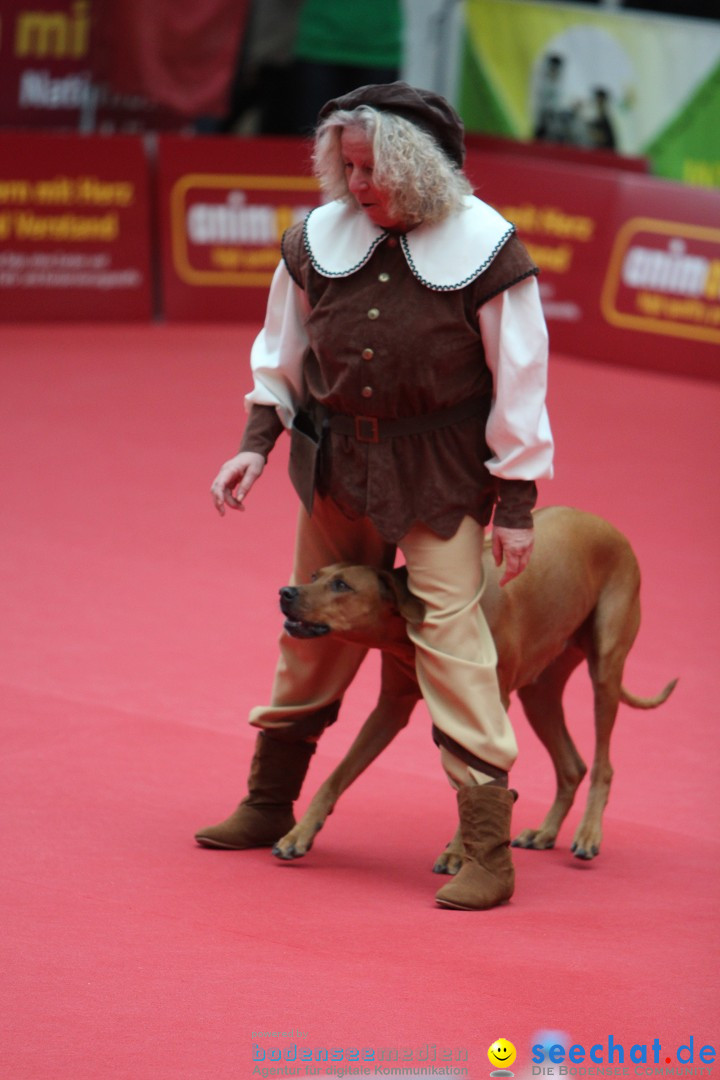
(372, 429)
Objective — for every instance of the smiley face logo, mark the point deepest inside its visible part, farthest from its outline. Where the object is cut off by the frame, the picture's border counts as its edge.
(502, 1054)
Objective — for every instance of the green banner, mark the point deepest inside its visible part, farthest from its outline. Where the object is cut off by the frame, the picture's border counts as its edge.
(636, 84)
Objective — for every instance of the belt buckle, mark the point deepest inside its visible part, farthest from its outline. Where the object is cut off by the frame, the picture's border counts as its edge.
(366, 429)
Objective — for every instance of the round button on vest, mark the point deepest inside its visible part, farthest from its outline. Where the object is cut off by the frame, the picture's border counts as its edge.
(367, 354)
(383, 277)
(373, 313)
(367, 391)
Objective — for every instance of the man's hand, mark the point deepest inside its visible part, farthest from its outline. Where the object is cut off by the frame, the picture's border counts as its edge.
(235, 479)
(515, 546)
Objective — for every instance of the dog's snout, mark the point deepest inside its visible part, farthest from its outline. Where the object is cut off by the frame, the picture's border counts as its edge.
(288, 599)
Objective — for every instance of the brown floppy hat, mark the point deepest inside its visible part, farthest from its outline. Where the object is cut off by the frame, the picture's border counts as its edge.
(427, 110)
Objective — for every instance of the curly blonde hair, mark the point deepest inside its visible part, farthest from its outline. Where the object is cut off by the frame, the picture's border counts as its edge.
(422, 183)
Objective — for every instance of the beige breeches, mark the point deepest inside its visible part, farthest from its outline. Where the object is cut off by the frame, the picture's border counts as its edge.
(454, 651)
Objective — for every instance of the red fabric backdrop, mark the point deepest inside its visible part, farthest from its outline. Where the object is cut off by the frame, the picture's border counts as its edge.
(141, 48)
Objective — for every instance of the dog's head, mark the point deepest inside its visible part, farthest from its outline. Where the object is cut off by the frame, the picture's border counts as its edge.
(358, 603)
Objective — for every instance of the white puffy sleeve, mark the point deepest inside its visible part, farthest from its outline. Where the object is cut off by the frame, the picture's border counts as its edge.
(277, 352)
(515, 338)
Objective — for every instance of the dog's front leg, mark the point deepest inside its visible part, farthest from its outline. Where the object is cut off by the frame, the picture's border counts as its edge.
(389, 716)
(450, 860)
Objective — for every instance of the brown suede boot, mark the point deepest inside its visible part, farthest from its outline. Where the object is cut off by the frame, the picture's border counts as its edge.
(486, 877)
(266, 813)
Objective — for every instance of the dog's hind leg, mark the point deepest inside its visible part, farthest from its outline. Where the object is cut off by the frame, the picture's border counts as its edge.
(616, 623)
(606, 674)
(542, 702)
(586, 842)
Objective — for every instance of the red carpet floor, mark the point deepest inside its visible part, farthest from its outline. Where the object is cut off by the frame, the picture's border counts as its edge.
(138, 628)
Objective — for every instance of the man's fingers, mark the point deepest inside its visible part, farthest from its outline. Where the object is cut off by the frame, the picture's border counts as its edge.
(515, 546)
(232, 493)
(218, 497)
(234, 481)
(234, 501)
(515, 563)
(221, 493)
(497, 549)
(512, 567)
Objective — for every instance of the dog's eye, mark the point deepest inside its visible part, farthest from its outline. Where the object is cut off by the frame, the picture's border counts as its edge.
(338, 585)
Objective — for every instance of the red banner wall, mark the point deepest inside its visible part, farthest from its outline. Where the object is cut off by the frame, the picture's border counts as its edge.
(224, 205)
(661, 286)
(630, 264)
(49, 77)
(74, 228)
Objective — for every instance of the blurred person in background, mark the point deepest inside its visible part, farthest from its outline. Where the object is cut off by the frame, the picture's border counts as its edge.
(264, 84)
(341, 45)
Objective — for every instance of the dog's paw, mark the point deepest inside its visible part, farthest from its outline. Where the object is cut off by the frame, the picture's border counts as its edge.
(288, 851)
(296, 844)
(449, 861)
(582, 853)
(586, 842)
(534, 840)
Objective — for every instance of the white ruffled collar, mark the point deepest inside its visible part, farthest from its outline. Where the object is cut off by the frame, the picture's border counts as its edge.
(340, 239)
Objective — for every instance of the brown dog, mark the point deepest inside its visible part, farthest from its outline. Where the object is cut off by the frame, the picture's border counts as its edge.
(578, 599)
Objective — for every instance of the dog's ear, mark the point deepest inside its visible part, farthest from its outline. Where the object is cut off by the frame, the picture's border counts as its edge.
(393, 583)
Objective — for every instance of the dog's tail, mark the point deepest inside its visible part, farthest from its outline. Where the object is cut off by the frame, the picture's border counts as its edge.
(647, 703)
